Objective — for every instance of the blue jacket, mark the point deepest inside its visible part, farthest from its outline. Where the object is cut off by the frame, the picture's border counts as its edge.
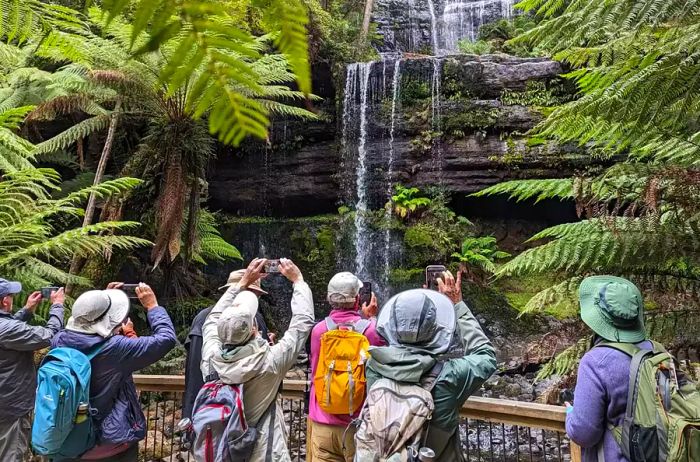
(112, 389)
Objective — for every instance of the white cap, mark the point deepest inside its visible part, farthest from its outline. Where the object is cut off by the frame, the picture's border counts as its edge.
(343, 288)
(235, 326)
(99, 312)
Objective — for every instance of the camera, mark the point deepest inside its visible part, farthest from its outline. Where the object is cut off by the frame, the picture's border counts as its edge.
(272, 266)
(47, 291)
(365, 293)
(130, 290)
(432, 273)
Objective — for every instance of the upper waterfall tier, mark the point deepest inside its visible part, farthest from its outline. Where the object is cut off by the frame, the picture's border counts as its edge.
(434, 26)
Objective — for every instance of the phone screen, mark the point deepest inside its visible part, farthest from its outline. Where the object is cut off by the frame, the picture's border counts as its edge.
(365, 293)
(47, 291)
(272, 266)
(130, 290)
(432, 273)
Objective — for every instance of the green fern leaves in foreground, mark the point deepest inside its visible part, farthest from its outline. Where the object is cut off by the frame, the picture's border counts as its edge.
(37, 233)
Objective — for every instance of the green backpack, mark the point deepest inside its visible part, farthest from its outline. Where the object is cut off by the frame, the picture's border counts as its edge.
(662, 421)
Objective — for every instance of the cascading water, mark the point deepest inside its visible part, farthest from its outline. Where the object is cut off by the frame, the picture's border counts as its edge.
(361, 241)
(433, 27)
(461, 19)
(436, 117)
(396, 91)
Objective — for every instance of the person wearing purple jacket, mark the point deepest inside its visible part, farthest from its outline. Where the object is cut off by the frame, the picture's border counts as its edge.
(613, 308)
(97, 318)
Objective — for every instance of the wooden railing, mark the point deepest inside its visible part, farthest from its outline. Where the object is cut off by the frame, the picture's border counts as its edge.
(514, 421)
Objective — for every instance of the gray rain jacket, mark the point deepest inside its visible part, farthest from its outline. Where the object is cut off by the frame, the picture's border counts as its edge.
(18, 341)
(260, 368)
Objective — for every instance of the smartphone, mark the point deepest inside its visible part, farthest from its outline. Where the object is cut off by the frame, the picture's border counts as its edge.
(432, 273)
(130, 290)
(47, 291)
(272, 266)
(365, 293)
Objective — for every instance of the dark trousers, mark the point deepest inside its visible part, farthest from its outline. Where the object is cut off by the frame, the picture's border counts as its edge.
(130, 455)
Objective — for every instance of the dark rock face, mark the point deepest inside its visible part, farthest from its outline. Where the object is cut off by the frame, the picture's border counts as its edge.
(475, 139)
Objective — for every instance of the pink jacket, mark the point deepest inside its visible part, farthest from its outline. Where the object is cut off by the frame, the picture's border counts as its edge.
(316, 414)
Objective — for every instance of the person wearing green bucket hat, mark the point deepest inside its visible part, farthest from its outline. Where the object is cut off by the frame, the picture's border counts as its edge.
(613, 308)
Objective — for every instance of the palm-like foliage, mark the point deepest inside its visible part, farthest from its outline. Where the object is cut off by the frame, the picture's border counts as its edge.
(406, 201)
(37, 233)
(478, 255)
(636, 65)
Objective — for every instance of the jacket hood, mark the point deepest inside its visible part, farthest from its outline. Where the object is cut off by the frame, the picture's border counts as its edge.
(77, 340)
(242, 363)
(399, 364)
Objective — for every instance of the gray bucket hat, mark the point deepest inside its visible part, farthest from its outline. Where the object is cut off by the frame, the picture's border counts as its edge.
(99, 312)
(613, 307)
(422, 319)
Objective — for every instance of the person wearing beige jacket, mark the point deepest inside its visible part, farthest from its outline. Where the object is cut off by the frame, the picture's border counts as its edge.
(233, 349)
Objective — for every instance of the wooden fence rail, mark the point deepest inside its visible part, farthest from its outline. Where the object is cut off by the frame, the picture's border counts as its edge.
(501, 412)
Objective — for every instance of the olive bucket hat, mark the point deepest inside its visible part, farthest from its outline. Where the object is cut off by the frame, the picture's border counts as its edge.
(613, 307)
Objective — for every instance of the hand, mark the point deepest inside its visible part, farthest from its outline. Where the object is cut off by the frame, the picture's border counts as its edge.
(271, 338)
(370, 310)
(252, 273)
(447, 285)
(58, 297)
(290, 270)
(146, 296)
(128, 325)
(33, 301)
(115, 285)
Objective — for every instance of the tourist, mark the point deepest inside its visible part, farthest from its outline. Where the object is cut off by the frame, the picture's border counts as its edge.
(433, 334)
(235, 353)
(18, 341)
(98, 315)
(330, 439)
(193, 343)
(613, 308)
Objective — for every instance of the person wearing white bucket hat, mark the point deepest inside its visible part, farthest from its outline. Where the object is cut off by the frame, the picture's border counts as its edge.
(235, 352)
(97, 318)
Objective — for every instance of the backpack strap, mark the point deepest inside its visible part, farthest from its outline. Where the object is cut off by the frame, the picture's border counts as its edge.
(95, 350)
(360, 325)
(429, 379)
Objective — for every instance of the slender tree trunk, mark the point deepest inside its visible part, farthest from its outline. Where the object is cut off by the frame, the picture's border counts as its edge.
(80, 147)
(369, 4)
(78, 262)
(102, 165)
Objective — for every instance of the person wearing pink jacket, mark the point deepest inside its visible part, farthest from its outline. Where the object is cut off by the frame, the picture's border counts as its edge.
(330, 439)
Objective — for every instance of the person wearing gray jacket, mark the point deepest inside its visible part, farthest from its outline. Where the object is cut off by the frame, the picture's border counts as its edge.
(18, 341)
(234, 350)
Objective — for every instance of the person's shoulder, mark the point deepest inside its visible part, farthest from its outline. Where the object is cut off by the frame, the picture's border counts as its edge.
(320, 328)
(601, 355)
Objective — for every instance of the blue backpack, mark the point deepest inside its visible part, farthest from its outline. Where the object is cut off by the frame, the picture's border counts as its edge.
(63, 384)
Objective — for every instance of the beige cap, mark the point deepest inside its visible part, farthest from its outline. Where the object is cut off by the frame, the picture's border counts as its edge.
(99, 312)
(343, 288)
(235, 326)
(236, 276)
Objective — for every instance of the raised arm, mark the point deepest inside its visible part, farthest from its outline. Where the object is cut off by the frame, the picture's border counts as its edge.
(284, 354)
(21, 336)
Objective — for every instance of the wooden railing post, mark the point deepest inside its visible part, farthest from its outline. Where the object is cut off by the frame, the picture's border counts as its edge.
(575, 452)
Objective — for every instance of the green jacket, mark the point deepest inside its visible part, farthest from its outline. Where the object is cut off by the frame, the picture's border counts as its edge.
(459, 378)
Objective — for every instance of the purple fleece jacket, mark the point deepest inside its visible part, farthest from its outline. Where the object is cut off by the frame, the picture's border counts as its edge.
(600, 398)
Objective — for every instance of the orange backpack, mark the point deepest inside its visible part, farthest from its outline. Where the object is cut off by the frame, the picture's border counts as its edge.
(340, 372)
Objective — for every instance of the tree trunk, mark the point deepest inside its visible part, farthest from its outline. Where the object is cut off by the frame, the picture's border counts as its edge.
(78, 262)
(369, 5)
(80, 146)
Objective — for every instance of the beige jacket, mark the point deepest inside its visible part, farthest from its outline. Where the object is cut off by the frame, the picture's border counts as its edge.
(260, 367)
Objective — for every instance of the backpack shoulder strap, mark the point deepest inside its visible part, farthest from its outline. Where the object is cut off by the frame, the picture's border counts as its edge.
(429, 379)
(361, 325)
(95, 350)
(330, 324)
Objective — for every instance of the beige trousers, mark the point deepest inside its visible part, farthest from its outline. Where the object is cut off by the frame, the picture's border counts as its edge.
(325, 443)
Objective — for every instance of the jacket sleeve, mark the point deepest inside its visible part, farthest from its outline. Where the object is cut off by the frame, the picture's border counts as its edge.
(479, 360)
(587, 422)
(141, 352)
(211, 342)
(21, 336)
(286, 351)
(24, 315)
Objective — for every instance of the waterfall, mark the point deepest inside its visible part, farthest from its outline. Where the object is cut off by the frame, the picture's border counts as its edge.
(433, 27)
(396, 92)
(461, 19)
(436, 117)
(361, 241)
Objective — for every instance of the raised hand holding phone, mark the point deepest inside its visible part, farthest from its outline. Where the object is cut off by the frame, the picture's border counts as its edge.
(448, 285)
(371, 309)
